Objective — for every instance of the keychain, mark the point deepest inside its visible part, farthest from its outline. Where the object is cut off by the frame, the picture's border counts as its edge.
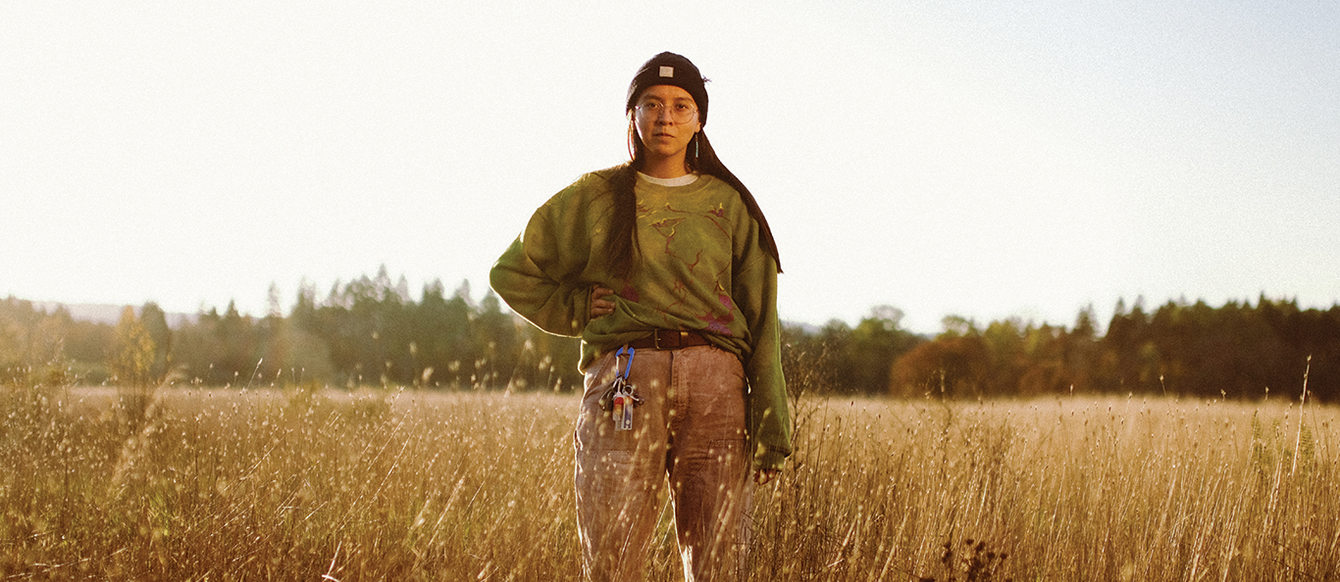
(623, 396)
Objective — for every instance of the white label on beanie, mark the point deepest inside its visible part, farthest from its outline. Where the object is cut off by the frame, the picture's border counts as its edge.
(668, 72)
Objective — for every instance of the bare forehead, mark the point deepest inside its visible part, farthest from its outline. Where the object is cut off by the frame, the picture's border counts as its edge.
(666, 93)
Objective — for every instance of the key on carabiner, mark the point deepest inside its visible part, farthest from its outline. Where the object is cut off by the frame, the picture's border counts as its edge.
(624, 398)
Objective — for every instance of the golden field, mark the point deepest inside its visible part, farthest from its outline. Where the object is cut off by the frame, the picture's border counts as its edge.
(319, 484)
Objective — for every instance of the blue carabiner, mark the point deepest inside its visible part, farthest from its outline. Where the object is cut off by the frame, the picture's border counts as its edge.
(629, 369)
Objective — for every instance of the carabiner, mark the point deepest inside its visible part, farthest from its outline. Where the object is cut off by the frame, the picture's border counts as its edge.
(629, 368)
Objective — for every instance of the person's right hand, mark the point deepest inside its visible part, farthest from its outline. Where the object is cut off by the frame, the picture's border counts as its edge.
(599, 305)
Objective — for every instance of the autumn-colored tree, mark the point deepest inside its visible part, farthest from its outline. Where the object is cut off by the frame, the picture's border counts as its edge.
(875, 341)
(951, 366)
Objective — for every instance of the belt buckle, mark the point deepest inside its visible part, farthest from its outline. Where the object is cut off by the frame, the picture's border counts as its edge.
(681, 336)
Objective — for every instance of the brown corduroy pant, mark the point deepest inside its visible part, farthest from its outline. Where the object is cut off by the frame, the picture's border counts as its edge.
(690, 429)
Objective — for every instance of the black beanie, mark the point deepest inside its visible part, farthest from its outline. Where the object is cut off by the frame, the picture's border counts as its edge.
(670, 69)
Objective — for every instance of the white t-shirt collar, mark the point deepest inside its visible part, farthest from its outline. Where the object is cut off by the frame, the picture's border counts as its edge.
(684, 180)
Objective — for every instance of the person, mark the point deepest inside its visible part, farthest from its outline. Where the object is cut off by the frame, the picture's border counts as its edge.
(666, 268)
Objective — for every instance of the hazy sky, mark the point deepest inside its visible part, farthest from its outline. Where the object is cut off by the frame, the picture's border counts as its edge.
(986, 159)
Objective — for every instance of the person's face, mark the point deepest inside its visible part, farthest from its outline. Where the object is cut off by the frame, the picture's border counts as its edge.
(666, 119)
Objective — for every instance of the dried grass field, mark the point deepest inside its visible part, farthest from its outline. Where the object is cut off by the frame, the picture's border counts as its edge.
(403, 485)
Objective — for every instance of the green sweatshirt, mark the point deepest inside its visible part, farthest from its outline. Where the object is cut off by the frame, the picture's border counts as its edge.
(700, 267)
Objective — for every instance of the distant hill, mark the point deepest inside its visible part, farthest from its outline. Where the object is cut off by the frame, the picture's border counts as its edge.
(109, 314)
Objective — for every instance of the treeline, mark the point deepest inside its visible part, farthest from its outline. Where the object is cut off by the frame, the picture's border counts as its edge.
(371, 331)
(1238, 350)
(368, 331)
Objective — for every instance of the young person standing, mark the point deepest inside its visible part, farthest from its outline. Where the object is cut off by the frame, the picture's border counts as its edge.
(667, 270)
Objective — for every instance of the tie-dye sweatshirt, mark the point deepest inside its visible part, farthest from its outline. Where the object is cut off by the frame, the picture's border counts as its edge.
(700, 267)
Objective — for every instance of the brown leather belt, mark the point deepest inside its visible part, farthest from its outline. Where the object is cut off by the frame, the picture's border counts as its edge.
(665, 339)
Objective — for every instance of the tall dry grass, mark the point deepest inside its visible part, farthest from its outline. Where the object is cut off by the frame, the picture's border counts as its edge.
(320, 484)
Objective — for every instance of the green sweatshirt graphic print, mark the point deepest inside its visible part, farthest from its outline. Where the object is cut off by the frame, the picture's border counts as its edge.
(700, 267)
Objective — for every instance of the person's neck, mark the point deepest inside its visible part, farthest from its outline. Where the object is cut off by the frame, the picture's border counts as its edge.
(671, 167)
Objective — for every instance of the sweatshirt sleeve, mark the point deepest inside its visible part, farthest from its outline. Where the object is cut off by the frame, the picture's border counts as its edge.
(539, 274)
(755, 291)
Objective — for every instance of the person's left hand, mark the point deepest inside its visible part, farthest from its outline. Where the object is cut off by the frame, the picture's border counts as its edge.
(763, 476)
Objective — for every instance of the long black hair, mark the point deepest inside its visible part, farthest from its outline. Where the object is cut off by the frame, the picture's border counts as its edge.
(702, 159)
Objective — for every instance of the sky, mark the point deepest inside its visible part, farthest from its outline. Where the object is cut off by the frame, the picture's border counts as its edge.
(982, 159)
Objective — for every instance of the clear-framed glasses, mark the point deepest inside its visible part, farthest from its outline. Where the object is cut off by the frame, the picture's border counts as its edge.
(679, 112)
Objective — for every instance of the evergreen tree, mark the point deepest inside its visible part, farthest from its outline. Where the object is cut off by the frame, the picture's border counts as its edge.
(155, 323)
(133, 355)
(497, 333)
